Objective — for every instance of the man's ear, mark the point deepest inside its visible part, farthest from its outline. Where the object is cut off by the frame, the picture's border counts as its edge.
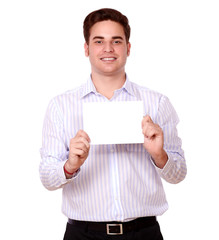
(86, 49)
(128, 48)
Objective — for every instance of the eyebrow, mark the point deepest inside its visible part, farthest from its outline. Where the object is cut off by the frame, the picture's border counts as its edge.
(114, 37)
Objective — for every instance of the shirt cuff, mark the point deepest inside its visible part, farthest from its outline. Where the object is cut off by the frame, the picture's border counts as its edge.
(167, 167)
(61, 173)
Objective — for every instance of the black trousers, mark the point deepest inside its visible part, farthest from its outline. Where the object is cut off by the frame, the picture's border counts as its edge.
(147, 233)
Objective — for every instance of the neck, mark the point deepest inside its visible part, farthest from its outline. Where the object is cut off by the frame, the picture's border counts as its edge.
(106, 85)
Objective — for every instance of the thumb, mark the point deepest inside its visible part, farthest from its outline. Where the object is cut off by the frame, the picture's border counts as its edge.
(147, 118)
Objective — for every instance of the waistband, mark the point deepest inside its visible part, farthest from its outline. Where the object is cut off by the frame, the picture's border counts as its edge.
(115, 228)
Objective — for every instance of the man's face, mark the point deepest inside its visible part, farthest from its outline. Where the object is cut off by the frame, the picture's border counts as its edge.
(107, 48)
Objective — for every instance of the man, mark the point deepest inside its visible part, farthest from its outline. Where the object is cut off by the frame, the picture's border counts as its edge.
(110, 191)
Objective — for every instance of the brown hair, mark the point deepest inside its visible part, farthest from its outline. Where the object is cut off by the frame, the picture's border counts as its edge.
(103, 15)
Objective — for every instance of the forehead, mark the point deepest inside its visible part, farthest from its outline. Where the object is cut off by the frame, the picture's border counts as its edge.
(107, 29)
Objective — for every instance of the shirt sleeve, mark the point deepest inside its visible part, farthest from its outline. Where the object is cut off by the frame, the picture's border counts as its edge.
(54, 151)
(175, 169)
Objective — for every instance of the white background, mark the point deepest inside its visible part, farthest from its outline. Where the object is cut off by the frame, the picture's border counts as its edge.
(175, 51)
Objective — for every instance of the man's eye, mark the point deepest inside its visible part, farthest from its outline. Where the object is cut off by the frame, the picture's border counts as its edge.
(98, 42)
(117, 42)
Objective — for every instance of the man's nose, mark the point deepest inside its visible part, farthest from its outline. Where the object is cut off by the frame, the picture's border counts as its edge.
(108, 47)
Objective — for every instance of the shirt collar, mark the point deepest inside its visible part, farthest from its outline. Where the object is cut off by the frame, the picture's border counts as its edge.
(128, 86)
(89, 87)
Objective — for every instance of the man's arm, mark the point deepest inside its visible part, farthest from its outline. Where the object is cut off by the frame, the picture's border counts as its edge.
(163, 144)
(58, 156)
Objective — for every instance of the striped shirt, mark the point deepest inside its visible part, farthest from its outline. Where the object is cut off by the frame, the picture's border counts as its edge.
(117, 182)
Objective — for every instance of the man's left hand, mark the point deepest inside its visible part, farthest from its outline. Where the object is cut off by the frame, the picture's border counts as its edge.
(154, 141)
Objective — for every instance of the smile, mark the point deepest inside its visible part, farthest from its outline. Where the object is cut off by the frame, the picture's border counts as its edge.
(108, 59)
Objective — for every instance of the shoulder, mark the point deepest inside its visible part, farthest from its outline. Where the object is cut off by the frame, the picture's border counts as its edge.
(66, 100)
(147, 93)
(155, 103)
(74, 93)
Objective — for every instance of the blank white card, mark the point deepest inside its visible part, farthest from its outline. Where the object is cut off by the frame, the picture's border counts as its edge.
(113, 122)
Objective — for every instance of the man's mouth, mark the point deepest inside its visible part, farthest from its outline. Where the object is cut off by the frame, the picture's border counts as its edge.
(108, 59)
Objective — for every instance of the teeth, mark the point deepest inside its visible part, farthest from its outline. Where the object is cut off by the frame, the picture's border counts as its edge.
(108, 59)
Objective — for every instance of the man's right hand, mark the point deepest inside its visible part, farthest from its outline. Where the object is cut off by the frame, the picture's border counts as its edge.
(78, 152)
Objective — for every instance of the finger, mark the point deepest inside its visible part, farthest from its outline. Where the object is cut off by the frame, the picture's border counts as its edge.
(79, 152)
(80, 140)
(146, 119)
(85, 142)
(76, 152)
(81, 145)
(148, 131)
(82, 133)
(151, 130)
